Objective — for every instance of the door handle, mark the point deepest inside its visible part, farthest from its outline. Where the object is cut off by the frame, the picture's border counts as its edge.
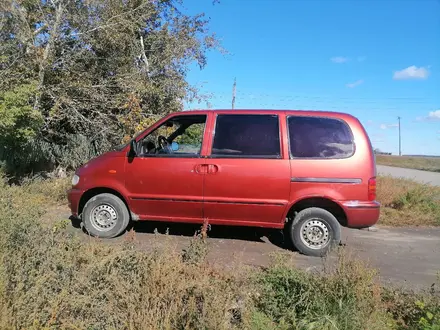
(212, 169)
(201, 168)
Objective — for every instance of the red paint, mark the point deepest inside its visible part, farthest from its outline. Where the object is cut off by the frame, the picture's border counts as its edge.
(235, 191)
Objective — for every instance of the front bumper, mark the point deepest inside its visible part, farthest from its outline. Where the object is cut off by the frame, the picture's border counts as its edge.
(74, 197)
(361, 214)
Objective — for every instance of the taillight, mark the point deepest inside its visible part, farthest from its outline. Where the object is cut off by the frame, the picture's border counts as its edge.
(372, 189)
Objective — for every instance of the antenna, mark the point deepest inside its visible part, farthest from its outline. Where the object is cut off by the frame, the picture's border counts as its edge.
(400, 139)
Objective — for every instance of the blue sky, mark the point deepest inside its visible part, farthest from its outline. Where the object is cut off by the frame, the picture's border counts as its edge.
(374, 59)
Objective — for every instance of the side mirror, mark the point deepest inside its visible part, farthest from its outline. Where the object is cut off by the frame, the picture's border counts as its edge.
(174, 146)
(132, 152)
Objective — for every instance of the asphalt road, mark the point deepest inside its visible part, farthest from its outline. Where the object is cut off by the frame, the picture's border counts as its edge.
(432, 178)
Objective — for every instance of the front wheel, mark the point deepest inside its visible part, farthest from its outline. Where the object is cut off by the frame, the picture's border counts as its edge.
(314, 231)
(105, 216)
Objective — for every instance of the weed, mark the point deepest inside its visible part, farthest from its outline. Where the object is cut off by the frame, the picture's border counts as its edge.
(405, 202)
(198, 247)
(344, 297)
(413, 310)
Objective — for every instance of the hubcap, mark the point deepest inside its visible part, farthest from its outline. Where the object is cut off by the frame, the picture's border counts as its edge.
(103, 217)
(315, 234)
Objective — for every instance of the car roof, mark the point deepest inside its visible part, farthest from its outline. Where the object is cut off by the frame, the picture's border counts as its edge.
(334, 114)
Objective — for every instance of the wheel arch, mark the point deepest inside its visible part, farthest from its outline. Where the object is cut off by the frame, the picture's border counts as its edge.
(89, 194)
(322, 202)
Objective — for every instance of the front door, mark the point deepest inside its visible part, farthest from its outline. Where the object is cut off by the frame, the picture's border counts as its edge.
(248, 181)
(165, 179)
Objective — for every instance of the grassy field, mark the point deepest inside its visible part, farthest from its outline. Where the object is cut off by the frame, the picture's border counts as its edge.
(408, 203)
(50, 279)
(431, 164)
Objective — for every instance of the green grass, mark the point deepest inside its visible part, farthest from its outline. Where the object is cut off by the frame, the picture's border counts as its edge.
(431, 164)
(50, 279)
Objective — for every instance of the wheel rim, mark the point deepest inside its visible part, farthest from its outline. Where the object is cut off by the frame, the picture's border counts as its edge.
(103, 217)
(315, 234)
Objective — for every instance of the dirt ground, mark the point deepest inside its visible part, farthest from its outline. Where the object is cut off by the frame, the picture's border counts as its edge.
(408, 257)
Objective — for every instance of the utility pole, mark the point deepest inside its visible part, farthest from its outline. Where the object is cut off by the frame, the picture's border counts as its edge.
(233, 93)
(400, 139)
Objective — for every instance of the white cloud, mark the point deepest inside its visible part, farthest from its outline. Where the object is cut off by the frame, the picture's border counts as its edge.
(385, 126)
(411, 72)
(339, 59)
(356, 83)
(434, 115)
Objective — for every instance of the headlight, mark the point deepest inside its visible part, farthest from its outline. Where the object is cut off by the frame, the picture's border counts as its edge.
(75, 180)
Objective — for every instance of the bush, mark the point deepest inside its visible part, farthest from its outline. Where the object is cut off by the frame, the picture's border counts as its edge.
(414, 310)
(345, 297)
(37, 156)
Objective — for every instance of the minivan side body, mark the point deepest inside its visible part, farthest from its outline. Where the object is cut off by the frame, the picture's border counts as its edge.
(257, 168)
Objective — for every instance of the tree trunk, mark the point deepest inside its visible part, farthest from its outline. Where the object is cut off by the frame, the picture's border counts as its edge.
(48, 49)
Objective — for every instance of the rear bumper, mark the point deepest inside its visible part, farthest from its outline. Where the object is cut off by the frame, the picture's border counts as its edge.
(74, 197)
(361, 214)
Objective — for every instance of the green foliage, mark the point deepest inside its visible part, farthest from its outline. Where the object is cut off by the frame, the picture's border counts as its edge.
(418, 196)
(193, 135)
(19, 122)
(38, 155)
(346, 297)
(96, 69)
(414, 310)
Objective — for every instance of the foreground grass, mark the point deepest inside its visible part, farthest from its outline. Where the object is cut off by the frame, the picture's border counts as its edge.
(431, 164)
(52, 280)
(408, 203)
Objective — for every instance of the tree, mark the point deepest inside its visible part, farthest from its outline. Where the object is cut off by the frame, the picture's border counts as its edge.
(100, 70)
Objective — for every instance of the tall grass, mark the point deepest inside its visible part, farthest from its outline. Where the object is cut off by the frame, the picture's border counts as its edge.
(405, 202)
(50, 279)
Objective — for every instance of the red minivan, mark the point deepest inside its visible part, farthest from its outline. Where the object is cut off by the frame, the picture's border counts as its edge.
(309, 172)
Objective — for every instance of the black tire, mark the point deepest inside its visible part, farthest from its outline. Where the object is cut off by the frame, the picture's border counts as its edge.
(108, 206)
(324, 222)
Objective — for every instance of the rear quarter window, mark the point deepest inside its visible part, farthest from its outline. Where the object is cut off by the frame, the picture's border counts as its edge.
(319, 137)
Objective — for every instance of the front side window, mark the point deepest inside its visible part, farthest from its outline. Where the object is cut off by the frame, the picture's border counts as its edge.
(246, 136)
(179, 136)
(319, 137)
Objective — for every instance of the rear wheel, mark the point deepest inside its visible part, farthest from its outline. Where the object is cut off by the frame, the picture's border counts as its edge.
(314, 231)
(105, 216)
